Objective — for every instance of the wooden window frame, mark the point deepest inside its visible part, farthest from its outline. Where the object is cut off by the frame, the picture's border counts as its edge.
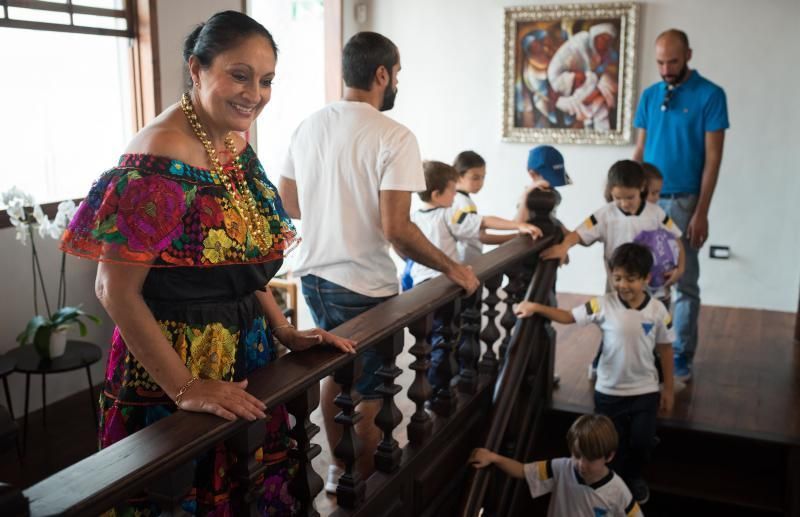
(143, 58)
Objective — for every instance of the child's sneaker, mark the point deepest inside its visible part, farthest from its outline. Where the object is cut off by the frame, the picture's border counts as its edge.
(683, 371)
(640, 491)
(592, 372)
(334, 473)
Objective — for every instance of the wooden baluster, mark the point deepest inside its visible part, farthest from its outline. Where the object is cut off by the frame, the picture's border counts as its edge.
(469, 349)
(388, 453)
(490, 333)
(307, 483)
(444, 397)
(13, 501)
(351, 488)
(248, 469)
(514, 289)
(170, 489)
(419, 428)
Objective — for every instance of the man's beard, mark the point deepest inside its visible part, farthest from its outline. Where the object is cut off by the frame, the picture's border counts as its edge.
(675, 80)
(388, 98)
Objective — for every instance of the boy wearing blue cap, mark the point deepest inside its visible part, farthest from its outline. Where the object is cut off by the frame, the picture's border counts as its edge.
(547, 171)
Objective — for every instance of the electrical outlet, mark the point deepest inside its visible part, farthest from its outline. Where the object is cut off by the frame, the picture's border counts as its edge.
(719, 252)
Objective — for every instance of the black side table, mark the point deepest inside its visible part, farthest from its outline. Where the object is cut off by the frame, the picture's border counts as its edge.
(7, 364)
(78, 354)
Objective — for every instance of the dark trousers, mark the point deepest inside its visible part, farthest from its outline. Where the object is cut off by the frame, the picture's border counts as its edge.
(635, 420)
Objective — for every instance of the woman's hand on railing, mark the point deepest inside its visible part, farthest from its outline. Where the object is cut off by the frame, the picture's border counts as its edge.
(528, 229)
(227, 400)
(298, 340)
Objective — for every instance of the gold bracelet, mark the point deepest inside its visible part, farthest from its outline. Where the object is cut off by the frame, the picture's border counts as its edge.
(279, 327)
(183, 390)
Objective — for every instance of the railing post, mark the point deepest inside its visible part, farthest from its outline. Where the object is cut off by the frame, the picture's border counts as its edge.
(307, 483)
(490, 333)
(12, 501)
(469, 349)
(419, 428)
(444, 397)
(388, 453)
(248, 469)
(351, 489)
(514, 290)
(169, 490)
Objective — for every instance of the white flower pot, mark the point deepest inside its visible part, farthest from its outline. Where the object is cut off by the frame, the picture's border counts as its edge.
(58, 343)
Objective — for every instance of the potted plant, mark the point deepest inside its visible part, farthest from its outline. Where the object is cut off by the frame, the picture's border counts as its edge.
(47, 333)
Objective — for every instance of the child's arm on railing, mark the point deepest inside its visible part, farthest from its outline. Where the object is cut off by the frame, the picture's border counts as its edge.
(482, 458)
(496, 238)
(559, 251)
(498, 223)
(528, 309)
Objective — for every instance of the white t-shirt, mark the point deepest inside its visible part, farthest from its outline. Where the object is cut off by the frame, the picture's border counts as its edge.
(468, 248)
(573, 497)
(445, 229)
(627, 365)
(341, 158)
(613, 227)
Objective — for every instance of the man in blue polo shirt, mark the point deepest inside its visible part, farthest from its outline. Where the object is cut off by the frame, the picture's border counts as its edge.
(682, 122)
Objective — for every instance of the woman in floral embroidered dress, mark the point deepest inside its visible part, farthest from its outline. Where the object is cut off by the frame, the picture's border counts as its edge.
(188, 231)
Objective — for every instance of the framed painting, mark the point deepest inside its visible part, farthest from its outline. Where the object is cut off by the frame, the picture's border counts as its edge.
(569, 73)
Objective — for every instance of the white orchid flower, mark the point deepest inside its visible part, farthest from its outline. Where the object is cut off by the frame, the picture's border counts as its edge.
(44, 228)
(39, 215)
(22, 229)
(15, 193)
(16, 209)
(67, 208)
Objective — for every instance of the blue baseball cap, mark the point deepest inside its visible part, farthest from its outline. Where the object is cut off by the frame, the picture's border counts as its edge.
(548, 163)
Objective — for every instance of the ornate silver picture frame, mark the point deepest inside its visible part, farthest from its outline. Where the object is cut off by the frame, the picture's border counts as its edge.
(569, 73)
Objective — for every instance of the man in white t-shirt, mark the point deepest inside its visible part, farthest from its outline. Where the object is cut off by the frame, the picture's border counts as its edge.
(350, 173)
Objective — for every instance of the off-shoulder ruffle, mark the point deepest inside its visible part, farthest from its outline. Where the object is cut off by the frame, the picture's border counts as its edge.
(152, 210)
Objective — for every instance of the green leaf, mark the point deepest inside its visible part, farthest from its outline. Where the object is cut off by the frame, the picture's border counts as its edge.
(31, 329)
(82, 327)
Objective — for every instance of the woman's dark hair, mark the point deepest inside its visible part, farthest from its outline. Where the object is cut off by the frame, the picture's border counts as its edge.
(363, 54)
(628, 174)
(633, 258)
(468, 160)
(437, 176)
(222, 32)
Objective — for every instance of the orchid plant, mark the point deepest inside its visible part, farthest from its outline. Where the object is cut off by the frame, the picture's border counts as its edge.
(28, 218)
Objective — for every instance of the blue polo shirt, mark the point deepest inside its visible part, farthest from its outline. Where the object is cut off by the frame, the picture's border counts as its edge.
(675, 141)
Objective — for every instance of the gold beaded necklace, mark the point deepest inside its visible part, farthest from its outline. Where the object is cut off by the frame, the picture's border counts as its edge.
(239, 193)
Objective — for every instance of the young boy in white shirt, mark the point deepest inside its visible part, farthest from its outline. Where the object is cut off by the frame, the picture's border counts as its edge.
(437, 222)
(582, 484)
(634, 326)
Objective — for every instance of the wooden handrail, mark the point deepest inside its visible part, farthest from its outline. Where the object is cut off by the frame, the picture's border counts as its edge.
(127, 467)
(511, 377)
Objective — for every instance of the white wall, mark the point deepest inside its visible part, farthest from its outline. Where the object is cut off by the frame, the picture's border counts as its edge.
(450, 95)
(176, 18)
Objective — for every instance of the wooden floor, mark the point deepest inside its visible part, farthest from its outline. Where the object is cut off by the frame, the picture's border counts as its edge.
(746, 378)
(747, 384)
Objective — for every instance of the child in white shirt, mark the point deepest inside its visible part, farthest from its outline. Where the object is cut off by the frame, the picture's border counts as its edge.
(580, 485)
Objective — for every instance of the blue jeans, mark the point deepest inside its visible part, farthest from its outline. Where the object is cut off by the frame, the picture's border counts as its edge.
(331, 305)
(687, 303)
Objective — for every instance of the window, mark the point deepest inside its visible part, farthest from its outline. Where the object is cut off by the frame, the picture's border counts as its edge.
(67, 100)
